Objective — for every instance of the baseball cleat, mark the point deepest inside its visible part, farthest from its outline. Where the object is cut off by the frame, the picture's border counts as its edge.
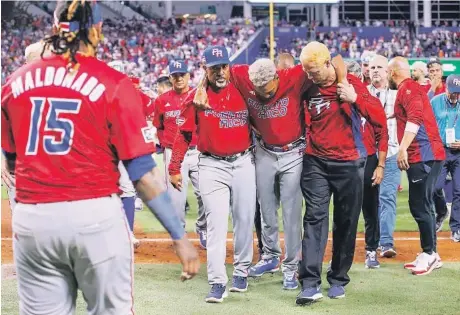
(336, 292)
(309, 295)
(371, 260)
(426, 263)
(264, 266)
(239, 284)
(455, 236)
(217, 294)
(203, 238)
(290, 281)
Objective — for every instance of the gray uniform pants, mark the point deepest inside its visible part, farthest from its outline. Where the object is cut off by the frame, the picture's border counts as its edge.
(228, 186)
(189, 172)
(64, 246)
(278, 179)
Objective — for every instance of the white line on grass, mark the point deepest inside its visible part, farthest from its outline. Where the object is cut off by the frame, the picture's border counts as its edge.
(229, 240)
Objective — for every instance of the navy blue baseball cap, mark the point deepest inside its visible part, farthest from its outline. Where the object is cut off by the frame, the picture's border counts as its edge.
(177, 66)
(216, 55)
(453, 83)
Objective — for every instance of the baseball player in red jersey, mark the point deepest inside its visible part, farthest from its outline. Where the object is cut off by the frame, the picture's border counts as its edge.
(421, 153)
(333, 164)
(167, 108)
(274, 103)
(67, 120)
(227, 174)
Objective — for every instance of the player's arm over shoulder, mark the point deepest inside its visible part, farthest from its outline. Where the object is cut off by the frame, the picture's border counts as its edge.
(298, 76)
(239, 74)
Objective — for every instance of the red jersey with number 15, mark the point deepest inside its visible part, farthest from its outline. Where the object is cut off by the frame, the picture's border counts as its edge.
(70, 128)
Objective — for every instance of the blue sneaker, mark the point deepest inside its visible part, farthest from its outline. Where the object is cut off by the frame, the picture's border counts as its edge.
(371, 260)
(239, 284)
(203, 237)
(264, 266)
(290, 281)
(309, 295)
(336, 292)
(217, 294)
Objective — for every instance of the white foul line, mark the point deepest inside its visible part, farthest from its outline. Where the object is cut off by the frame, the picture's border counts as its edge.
(229, 240)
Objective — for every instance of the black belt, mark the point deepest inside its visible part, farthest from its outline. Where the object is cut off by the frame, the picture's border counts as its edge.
(284, 148)
(229, 158)
(193, 147)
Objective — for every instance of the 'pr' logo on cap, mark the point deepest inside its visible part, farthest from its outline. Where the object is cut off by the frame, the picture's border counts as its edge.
(217, 52)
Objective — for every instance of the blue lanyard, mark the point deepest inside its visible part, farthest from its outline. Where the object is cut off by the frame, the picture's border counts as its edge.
(447, 102)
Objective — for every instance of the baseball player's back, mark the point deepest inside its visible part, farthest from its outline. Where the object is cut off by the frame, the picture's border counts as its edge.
(63, 133)
(67, 129)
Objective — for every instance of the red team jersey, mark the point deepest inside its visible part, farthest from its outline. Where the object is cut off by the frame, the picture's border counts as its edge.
(369, 137)
(167, 109)
(69, 129)
(279, 121)
(223, 130)
(412, 105)
(336, 129)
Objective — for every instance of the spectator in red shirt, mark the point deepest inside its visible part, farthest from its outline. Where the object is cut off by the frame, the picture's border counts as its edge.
(421, 153)
(334, 163)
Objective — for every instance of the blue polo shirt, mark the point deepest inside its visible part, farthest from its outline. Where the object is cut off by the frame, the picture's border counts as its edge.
(447, 115)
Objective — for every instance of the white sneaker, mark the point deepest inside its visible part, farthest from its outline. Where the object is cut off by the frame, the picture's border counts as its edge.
(412, 264)
(425, 264)
(136, 242)
(138, 204)
(438, 262)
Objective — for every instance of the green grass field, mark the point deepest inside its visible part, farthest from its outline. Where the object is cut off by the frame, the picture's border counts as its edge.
(389, 290)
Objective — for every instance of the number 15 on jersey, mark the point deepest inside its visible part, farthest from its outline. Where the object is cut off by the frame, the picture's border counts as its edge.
(52, 123)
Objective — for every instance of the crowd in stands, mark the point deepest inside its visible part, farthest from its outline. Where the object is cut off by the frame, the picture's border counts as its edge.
(145, 46)
(440, 43)
(148, 46)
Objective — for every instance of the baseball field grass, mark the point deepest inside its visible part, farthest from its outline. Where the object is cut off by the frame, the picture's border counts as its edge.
(388, 290)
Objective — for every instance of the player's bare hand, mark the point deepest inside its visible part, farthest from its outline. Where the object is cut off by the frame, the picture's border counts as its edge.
(347, 93)
(7, 177)
(377, 177)
(176, 181)
(340, 69)
(403, 160)
(188, 256)
(200, 101)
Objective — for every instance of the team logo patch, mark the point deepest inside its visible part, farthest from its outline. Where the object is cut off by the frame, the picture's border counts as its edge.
(148, 134)
(408, 92)
(180, 121)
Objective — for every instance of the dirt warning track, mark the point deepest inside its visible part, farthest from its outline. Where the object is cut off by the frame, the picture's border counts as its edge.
(157, 247)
